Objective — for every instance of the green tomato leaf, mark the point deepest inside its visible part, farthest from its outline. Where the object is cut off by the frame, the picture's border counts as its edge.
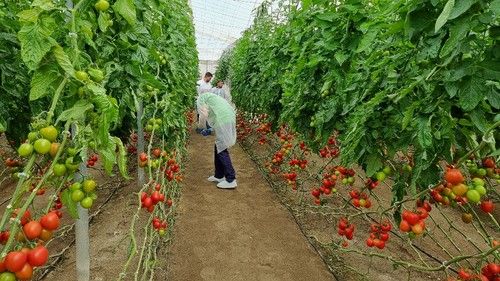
(71, 205)
(77, 112)
(122, 158)
(445, 14)
(461, 7)
(64, 61)
(35, 43)
(42, 81)
(373, 164)
(126, 9)
(472, 93)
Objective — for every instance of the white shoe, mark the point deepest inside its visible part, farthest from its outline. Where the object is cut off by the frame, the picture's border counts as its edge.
(214, 179)
(227, 185)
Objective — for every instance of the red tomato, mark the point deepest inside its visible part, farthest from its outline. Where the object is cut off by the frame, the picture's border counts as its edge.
(45, 235)
(487, 206)
(15, 261)
(32, 230)
(384, 236)
(379, 244)
(411, 217)
(25, 273)
(2, 266)
(38, 256)
(50, 221)
(155, 197)
(453, 176)
(404, 226)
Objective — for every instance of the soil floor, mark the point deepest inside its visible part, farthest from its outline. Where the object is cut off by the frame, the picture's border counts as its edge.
(240, 234)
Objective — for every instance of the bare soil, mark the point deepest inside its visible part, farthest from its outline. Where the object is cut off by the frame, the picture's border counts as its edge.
(241, 234)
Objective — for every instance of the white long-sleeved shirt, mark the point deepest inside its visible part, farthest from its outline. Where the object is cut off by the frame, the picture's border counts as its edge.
(203, 87)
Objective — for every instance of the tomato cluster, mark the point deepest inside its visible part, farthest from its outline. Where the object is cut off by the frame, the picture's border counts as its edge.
(149, 202)
(346, 175)
(242, 127)
(263, 130)
(489, 272)
(414, 222)
(10, 162)
(345, 229)
(379, 235)
(298, 163)
(331, 149)
(20, 264)
(159, 225)
(91, 161)
(132, 143)
(84, 193)
(153, 124)
(360, 199)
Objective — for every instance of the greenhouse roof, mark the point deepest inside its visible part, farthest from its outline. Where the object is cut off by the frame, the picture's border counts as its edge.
(219, 23)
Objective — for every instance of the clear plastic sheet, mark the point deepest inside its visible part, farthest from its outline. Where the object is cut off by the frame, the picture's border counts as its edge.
(220, 116)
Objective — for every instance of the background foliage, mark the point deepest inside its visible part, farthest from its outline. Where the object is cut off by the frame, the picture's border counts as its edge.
(419, 77)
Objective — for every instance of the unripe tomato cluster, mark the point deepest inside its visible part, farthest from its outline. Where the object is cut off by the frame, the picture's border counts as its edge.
(379, 234)
(380, 176)
(153, 124)
(330, 150)
(345, 229)
(149, 202)
(413, 222)
(84, 193)
(44, 143)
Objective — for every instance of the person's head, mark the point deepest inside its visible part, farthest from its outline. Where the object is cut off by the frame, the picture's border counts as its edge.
(220, 84)
(208, 76)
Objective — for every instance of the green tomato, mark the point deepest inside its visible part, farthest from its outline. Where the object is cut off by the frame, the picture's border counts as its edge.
(77, 195)
(481, 172)
(102, 5)
(156, 127)
(25, 150)
(473, 196)
(75, 186)
(93, 195)
(96, 74)
(350, 180)
(158, 121)
(7, 276)
(89, 185)
(32, 136)
(387, 170)
(42, 146)
(87, 202)
(59, 170)
(477, 182)
(49, 133)
(71, 151)
(149, 128)
(82, 75)
(481, 189)
(71, 165)
(380, 176)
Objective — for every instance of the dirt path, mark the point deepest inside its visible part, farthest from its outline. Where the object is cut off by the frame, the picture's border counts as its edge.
(242, 234)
